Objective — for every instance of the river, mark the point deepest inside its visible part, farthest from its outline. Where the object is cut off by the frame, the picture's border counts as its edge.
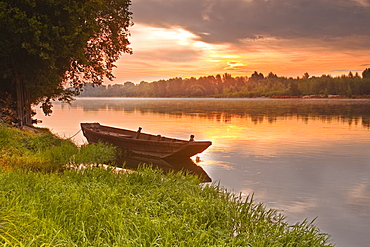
(307, 158)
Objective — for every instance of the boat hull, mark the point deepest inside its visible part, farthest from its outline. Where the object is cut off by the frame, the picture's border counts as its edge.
(143, 144)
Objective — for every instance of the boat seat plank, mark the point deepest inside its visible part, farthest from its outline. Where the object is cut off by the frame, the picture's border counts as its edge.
(114, 134)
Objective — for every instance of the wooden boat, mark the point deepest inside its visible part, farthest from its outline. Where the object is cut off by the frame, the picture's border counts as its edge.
(138, 143)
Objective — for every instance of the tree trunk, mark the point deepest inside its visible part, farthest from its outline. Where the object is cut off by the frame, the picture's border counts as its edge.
(23, 99)
(27, 108)
(20, 100)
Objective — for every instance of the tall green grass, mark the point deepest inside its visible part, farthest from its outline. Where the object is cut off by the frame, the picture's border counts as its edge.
(44, 204)
(96, 207)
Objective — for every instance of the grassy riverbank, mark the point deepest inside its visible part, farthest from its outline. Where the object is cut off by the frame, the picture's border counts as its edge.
(98, 207)
(39, 150)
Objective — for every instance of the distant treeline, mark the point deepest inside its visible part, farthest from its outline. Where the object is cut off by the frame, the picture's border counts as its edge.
(226, 86)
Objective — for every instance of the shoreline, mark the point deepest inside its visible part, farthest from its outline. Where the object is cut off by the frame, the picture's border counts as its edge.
(319, 96)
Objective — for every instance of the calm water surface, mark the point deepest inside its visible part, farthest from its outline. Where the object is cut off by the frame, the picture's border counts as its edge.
(307, 158)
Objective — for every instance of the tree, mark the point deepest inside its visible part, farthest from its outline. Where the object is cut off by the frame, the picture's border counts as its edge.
(256, 77)
(46, 46)
(293, 89)
(272, 76)
(366, 73)
(128, 84)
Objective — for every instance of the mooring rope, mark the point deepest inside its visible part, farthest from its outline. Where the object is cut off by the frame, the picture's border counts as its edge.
(74, 135)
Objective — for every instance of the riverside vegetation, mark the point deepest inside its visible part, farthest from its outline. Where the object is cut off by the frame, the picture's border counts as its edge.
(227, 86)
(43, 203)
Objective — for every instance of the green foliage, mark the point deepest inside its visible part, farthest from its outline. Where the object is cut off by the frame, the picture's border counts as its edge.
(44, 44)
(46, 152)
(97, 207)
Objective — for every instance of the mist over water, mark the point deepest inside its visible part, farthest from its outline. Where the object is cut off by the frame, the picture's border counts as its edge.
(307, 158)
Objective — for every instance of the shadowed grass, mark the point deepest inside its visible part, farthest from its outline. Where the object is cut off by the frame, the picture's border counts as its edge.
(45, 152)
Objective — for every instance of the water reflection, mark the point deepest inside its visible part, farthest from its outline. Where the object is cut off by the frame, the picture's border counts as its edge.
(358, 198)
(186, 166)
(224, 110)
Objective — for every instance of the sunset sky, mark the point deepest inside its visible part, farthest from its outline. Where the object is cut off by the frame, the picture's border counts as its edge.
(184, 38)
